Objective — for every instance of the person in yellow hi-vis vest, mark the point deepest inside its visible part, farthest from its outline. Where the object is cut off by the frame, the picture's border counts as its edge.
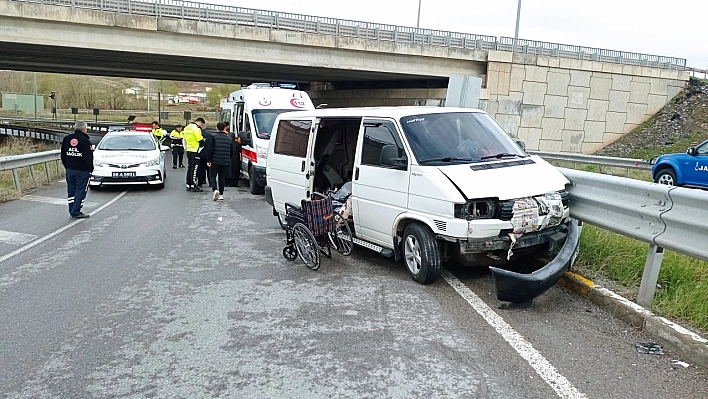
(194, 141)
(157, 132)
(177, 139)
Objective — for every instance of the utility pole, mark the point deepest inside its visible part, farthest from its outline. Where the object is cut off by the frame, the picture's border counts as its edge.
(148, 96)
(35, 95)
(516, 34)
(417, 25)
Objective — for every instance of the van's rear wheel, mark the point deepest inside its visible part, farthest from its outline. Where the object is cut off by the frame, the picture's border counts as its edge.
(421, 253)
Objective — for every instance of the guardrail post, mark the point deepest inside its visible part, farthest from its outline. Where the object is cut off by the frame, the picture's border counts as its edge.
(46, 169)
(16, 180)
(650, 276)
(31, 168)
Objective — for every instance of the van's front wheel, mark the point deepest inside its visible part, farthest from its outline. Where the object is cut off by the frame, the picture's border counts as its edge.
(421, 253)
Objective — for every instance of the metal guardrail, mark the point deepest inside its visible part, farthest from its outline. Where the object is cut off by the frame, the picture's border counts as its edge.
(32, 133)
(627, 163)
(15, 162)
(367, 30)
(662, 216)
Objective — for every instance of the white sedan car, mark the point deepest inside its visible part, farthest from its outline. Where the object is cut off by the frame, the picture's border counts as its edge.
(128, 157)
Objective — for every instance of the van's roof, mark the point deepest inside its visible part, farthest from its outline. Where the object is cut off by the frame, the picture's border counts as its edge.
(374, 112)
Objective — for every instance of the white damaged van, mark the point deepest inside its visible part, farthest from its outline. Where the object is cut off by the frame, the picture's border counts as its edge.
(428, 184)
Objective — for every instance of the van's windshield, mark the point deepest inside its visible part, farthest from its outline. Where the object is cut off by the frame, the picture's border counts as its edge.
(264, 119)
(458, 137)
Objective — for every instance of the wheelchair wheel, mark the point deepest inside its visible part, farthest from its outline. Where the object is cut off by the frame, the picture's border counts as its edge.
(306, 245)
(342, 236)
(290, 253)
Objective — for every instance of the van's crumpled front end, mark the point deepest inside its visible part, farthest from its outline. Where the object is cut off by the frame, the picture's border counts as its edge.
(507, 211)
(523, 225)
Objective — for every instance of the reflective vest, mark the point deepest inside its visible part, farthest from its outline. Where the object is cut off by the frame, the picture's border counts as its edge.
(176, 138)
(158, 132)
(193, 136)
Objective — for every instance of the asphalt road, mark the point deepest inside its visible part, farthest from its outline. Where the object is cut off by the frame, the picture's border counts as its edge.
(155, 297)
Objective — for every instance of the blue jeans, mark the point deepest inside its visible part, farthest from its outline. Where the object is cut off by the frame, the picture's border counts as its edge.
(76, 186)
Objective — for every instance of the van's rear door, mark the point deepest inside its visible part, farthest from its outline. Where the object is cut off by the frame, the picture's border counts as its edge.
(290, 169)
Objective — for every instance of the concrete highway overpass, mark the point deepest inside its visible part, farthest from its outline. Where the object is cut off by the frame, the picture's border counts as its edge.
(552, 101)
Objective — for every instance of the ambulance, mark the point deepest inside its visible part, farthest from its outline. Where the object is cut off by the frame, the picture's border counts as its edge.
(252, 112)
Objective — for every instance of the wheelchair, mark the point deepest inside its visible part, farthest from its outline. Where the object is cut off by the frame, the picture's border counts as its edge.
(314, 228)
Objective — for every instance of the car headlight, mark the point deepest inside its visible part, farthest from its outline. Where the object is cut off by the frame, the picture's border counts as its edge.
(154, 162)
(262, 152)
(476, 209)
(99, 163)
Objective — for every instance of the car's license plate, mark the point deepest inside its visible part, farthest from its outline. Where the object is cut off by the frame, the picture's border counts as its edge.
(123, 174)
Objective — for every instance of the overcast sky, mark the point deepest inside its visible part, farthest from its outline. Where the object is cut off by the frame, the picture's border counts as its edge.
(676, 28)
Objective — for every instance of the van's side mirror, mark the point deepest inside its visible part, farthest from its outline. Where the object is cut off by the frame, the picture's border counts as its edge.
(164, 148)
(521, 144)
(245, 139)
(691, 151)
(389, 157)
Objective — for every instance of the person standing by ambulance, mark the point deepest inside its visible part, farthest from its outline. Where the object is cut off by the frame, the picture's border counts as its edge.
(177, 138)
(77, 158)
(218, 152)
(194, 140)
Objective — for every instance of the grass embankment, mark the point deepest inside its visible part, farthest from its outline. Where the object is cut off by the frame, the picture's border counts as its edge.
(18, 146)
(618, 263)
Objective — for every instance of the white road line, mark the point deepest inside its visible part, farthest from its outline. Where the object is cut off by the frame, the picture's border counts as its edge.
(545, 369)
(51, 200)
(13, 238)
(61, 230)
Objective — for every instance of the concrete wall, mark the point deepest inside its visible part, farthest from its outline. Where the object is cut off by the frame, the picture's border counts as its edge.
(378, 97)
(567, 105)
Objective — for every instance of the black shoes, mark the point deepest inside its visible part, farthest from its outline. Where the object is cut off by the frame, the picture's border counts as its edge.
(197, 189)
(174, 166)
(181, 166)
(81, 215)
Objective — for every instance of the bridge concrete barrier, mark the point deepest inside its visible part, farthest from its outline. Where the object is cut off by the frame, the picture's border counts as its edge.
(565, 105)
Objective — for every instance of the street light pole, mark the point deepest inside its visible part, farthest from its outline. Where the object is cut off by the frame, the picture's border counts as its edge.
(417, 25)
(516, 34)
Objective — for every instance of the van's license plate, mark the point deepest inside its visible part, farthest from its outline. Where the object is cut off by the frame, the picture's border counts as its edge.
(123, 174)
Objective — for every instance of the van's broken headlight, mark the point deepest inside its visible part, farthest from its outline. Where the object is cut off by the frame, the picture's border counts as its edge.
(476, 209)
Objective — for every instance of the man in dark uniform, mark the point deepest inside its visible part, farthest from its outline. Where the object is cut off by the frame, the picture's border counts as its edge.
(77, 158)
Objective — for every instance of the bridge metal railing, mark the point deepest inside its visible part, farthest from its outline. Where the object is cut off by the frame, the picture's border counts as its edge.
(14, 163)
(590, 53)
(662, 216)
(367, 30)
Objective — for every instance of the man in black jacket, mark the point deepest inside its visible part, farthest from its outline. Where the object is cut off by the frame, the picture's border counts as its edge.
(219, 150)
(77, 158)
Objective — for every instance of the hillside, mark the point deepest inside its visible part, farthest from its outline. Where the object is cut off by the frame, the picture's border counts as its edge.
(681, 123)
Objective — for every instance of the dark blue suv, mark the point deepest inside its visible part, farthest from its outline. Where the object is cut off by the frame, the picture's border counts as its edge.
(689, 169)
